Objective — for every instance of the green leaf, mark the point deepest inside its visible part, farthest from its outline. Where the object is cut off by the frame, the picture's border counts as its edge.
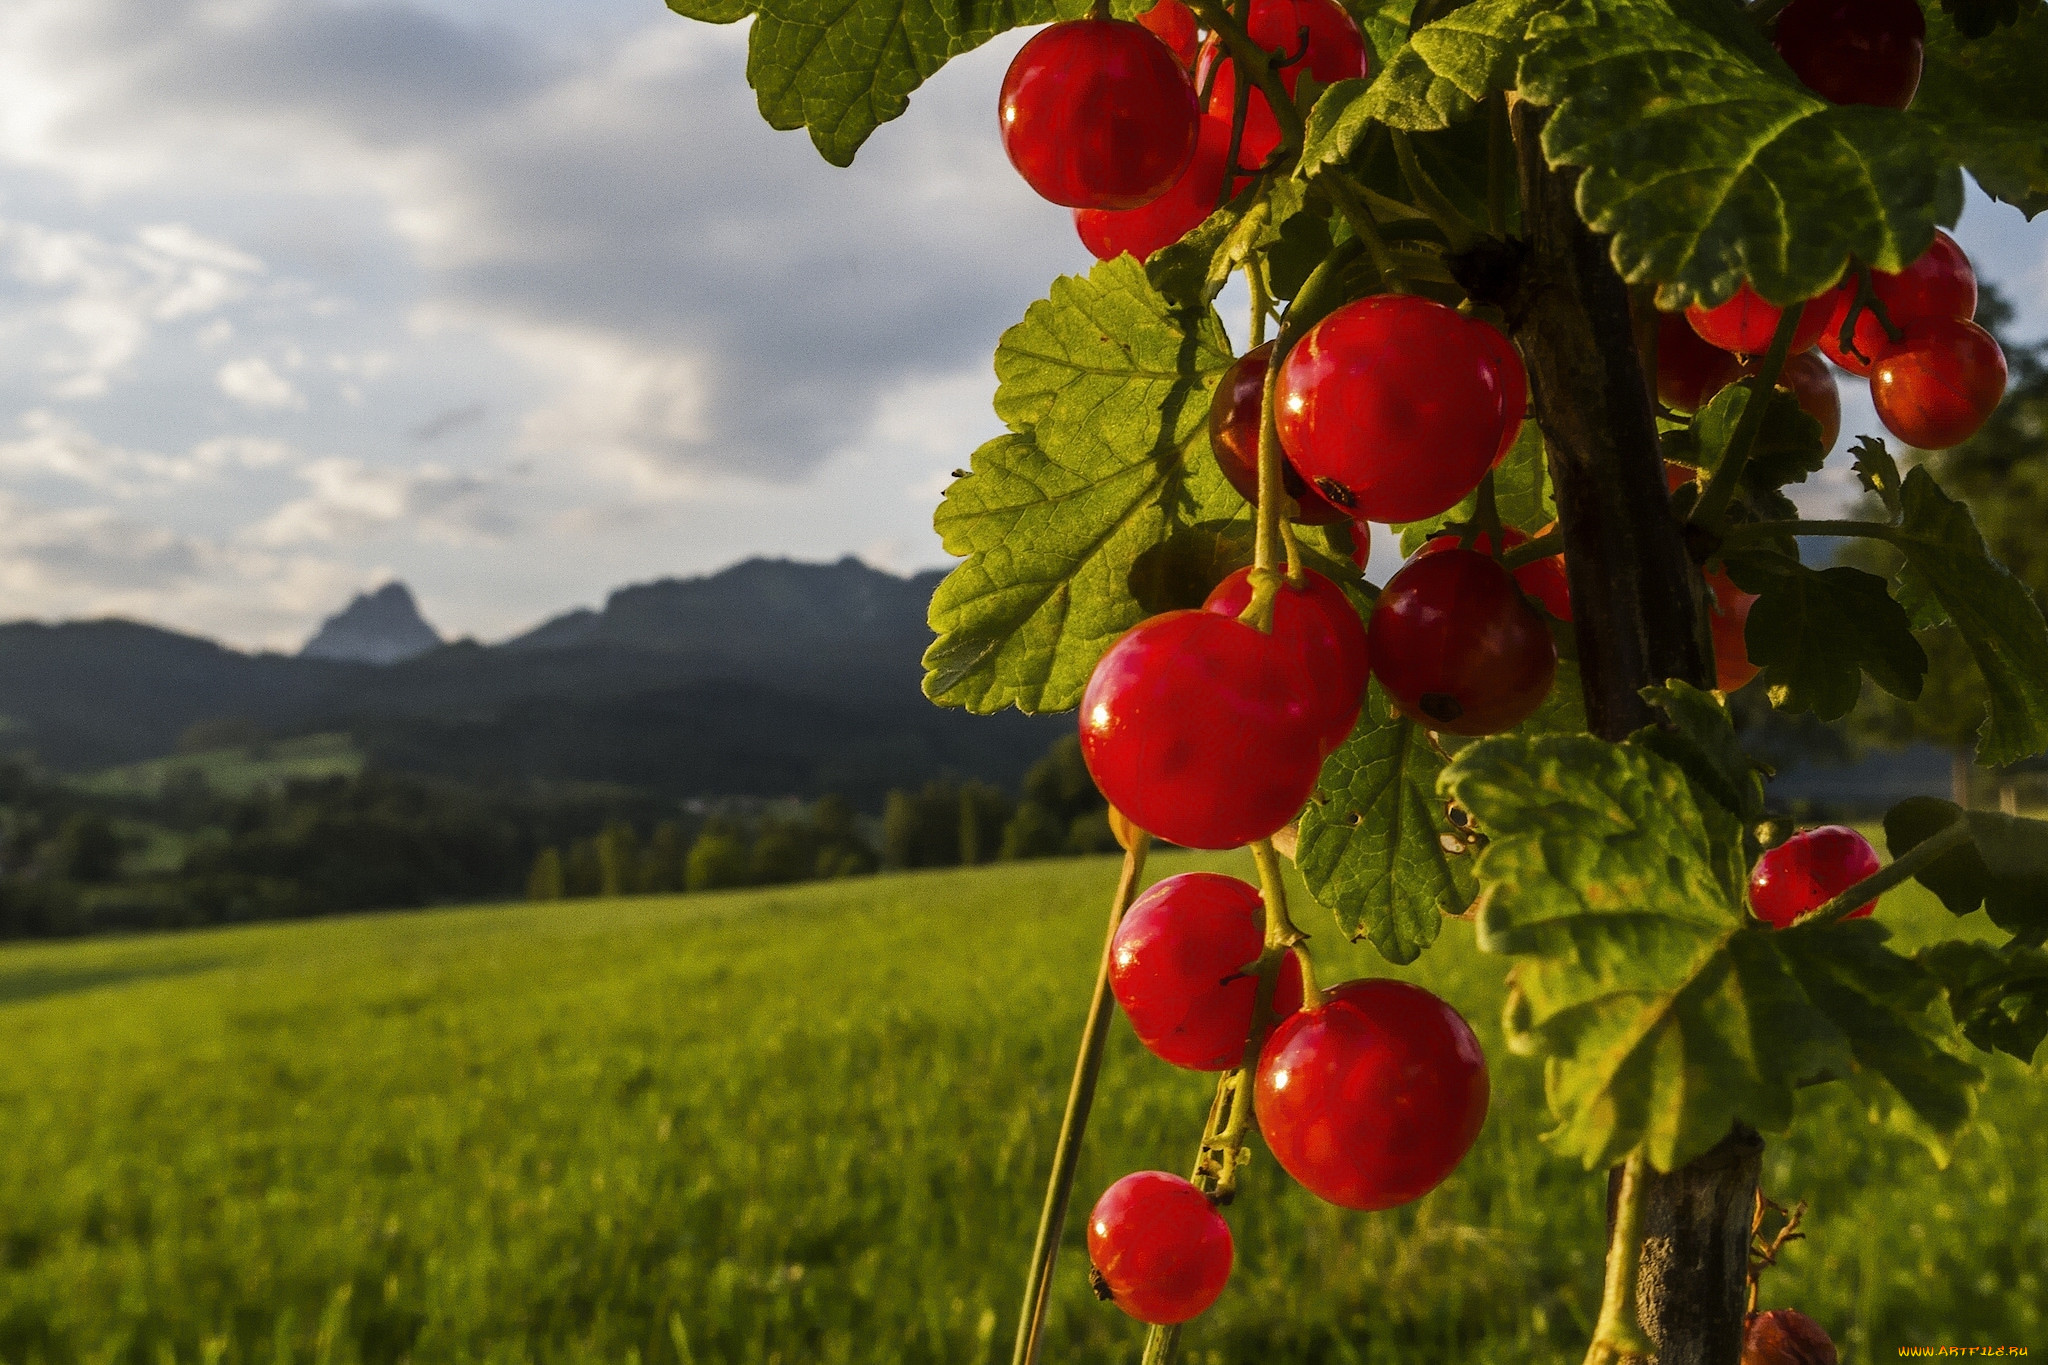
(1698, 735)
(1815, 632)
(1108, 391)
(1877, 471)
(1989, 99)
(1449, 66)
(1997, 996)
(1976, 18)
(1995, 614)
(713, 11)
(1194, 270)
(1787, 449)
(1521, 494)
(2004, 867)
(1708, 164)
(1376, 843)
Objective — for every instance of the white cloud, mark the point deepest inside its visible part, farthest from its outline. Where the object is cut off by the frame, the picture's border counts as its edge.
(54, 446)
(351, 501)
(254, 383)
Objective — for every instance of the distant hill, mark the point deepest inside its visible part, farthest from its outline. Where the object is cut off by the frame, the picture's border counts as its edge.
(381, 627)
(768, 678)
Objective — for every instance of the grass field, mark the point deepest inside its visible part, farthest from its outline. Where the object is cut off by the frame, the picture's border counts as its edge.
(811, 1125)
(235, 771)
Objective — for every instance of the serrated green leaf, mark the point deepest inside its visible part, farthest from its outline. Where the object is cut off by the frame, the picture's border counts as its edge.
(1698, 735)
(1987, 95)
(1447, 68)
(1997, 996)
(713, 11)
(1061, 522)
(1376, 845)
(1194, 270)
(1877, 471)
(2004, 867)
(1995, 614)
(1521, 494)
(1788, 445)
(1708, 164)
(1815, 632)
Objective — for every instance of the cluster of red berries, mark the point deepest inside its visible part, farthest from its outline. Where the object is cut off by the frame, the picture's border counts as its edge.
(1129, 124)
(1369, 1098)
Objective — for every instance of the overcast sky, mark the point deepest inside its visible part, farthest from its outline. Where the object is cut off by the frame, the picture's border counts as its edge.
(517, 301)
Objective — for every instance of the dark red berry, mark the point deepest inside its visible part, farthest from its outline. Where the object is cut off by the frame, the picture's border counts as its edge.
(1690, 371)
(1729, 607)
(1394, 407)
(1319, 629)
(1178, 969)
(1098, 114)
(1194, 726)
(1807, 871)
(1234, 437)
(1854, 51)
(1939, 284)
(1457, 645)
(1934, 388)
(1745, 323)
(1785, 1336)
(1160, 1250)
(1514, 387)
(1373, 1098)
(1807, 378)
(1543, 579)
(1173, 23)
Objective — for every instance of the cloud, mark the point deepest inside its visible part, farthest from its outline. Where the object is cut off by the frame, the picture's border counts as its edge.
(54, 446)
(351, 501)
(255, 384)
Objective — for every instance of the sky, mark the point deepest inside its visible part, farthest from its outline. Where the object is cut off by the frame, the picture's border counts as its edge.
(517, 302)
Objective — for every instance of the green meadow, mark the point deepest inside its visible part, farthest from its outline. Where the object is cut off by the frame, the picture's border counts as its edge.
(779, 1127)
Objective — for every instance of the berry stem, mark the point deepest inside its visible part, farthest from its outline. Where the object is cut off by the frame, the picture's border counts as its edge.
(1459, 231)
(1080, 1098)
(1618, 1334)
(1711, 513)
(1240, 109)
(1752, 532)
(1529, 551)
(1866, 300)
(1884, 879)
(1253, 60)
(1262, 302)
(1333, 182)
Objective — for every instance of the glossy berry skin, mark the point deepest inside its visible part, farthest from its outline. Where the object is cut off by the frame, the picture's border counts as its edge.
(1234, 437)
(1194, 726)
(1373, 1099)
(1336, 51)
(1809, 870)
(1177, 968)
(1543, 579)
(1854, 51)
(1110, 233)
(1320, 631)
(1160, 1250)
(1098, 114)
(1730, 606)
(1458, 647)
(1745, 323)
(1514, 387)
(1689, 370)
(1807, 378)
(1394, 407)
(1785, 1336)
(1941, 283)
(1173, 23)
(1361, 543)
(1935, 387)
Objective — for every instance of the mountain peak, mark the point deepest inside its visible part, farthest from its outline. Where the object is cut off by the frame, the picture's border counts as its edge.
(381, 627)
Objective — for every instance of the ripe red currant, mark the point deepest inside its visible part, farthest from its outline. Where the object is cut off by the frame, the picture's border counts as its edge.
(1160, 1250)
(1394, 407)
(1542, 579)
(1745, 323)
(1940, 283)
(1173, 23)
(1785, 1336)
(1194, 726)
(1109, 233)
(1807, 378)
(1319, 629)
(1373, 1098)
(1514, 387)
(1934, 388)
(1234, 437)
(1178, 969)
(1689, 370)
(1098, 113)
(1329, 45)
(1730, 606)
(1854, 51)
(1361, 543)
(1808, 870)
(1458, 647)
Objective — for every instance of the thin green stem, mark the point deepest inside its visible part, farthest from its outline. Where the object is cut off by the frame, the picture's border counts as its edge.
(1529, 551)
(1253, 60)
(1712, 510)
(1618, 1334)
(1262, 301)
(1866, 301)
(1458, 230)
(1750, 532)
(1066, 1155)
(1161, 1345)
(1333, 182)
(1895, 873)
(1240, 109)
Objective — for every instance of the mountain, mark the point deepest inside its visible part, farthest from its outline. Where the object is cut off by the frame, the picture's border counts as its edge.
(769, 678)
(381, 627)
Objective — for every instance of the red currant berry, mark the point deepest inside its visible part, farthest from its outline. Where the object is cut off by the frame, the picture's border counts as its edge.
(1319, 629)
(1261, 132)
(1098, 114)
(1194, 726)
(1807, 378)
(1372, 1099)
(1939, 284)
(1173, 23)
(1934, 388)
(1394, 407)
(1809, 870)
(1785, 1336)
(1542, 579)
(1160, 1250)
(1458, 647)
(1331, 48)
(1178, 969)
(1745, 324)
(1361, 543)
(1689, 371)
(1729, 622)
(1854, 51)
(1234, 437)
(1514, 388)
